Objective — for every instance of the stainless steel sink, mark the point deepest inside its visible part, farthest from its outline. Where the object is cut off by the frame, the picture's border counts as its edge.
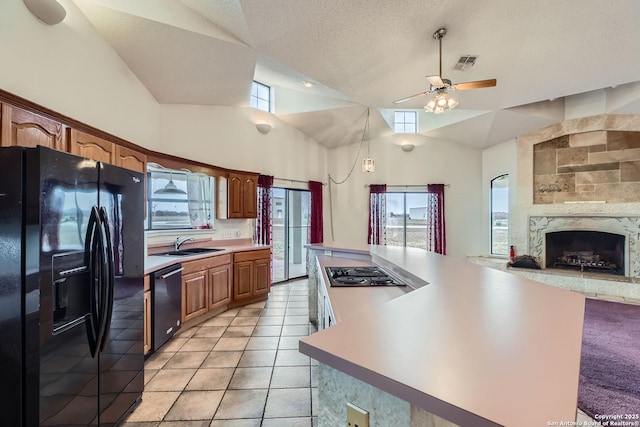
(191, 251)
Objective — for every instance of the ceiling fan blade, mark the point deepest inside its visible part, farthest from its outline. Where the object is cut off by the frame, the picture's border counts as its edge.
(435, 81)
(398, 101)
(475, 85)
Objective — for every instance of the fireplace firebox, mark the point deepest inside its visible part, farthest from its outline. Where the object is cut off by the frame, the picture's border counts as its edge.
(594, 251)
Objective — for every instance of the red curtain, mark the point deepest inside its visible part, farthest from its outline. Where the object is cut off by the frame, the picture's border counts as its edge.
(377, 214)
(264, 224)
(315, 222)
(436, 239)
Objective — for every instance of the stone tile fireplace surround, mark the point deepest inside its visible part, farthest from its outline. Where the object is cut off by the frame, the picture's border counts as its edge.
(533, 214)
(627, 226)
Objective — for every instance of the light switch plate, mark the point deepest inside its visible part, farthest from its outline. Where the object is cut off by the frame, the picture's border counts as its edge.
(357, 417)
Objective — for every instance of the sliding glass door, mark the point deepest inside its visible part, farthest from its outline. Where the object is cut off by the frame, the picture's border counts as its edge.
(290, 214)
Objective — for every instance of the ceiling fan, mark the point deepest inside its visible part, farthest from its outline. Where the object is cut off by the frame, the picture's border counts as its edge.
(438, 85)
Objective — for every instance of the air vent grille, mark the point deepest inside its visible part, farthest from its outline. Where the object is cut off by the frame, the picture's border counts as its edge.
(465, 62)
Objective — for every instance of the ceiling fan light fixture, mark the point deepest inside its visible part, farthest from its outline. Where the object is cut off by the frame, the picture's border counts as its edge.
(441, 103)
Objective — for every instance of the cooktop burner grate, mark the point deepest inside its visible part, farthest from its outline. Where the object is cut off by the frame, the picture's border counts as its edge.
(361, 276)
(350, 280)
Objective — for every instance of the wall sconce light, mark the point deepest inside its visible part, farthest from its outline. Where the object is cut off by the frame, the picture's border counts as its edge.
(407, 147)
(48, 11)
(263, 128)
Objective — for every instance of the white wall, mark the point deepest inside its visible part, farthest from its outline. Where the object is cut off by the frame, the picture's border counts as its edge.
(227, 137)
(70, 69)
(431, 162)
(497, 160)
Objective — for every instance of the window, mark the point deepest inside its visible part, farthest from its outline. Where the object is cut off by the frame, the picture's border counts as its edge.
(406, 221)
(179, 199)
(405, 122)
(500, 215)
(260, 96)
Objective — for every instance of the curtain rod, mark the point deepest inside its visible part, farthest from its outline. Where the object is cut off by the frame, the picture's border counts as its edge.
(295, 180)
(406, 186)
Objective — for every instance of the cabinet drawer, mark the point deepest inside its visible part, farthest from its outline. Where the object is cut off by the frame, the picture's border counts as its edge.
(251, 255)
(206, 263)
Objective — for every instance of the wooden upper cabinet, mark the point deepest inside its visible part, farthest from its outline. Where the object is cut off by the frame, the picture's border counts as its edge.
(26, 129)
(130, 159)
(91, 147)
(234, 191)
(242, 194)
(250, 196)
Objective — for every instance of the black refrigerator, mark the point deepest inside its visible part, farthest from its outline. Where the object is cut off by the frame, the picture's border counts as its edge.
(71, 289)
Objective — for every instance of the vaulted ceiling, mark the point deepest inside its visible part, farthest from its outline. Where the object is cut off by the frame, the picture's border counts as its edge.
(367, 53)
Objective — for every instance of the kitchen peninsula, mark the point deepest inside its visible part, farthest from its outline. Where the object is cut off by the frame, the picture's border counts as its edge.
(470, 346)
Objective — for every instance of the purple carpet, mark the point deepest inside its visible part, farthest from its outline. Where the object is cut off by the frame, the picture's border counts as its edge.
(610, 365)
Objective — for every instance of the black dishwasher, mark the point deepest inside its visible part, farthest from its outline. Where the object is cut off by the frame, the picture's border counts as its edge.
(166, 304)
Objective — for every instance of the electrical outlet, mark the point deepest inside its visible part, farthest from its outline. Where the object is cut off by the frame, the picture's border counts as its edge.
(357, 417)
(327, 253)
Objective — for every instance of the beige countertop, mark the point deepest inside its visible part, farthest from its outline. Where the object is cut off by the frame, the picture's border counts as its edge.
(476, 346)
(156, 262)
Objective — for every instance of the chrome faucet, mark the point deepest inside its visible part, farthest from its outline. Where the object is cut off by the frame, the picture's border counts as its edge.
(182, 240)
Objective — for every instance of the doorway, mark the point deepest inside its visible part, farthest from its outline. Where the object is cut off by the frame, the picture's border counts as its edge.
(290, 211)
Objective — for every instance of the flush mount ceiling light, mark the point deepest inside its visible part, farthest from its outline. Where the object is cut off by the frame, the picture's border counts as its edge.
(307, 83)
(407, 147)
(48, 11)
(263, 128)
(170, 188)
(368, 164)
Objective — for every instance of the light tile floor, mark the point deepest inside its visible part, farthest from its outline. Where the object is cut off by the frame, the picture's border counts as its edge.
(241, 368)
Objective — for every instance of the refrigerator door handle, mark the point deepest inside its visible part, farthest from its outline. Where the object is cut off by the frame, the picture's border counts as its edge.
(91, 247)
(109, 276)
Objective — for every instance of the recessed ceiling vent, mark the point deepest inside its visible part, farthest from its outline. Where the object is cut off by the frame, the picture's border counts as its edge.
(465, 62)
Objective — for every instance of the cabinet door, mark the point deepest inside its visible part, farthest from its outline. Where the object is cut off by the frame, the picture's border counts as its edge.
(23, 128)
(219, 286)
(243, 278)
(234, 196)
(91, 147)
(147, 321)
(250, 196)
(263, 276)
(130, 159)
(194, 294)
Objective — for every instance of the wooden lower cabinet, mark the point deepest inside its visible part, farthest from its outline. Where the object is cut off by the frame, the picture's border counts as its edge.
(243, 279)
(263, 276)
(219, 286)
(251, 274)
(194, 294)
(147, 315)
(206, 285)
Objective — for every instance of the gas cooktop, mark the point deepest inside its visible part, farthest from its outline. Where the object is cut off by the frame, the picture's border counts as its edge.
(361, 276)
